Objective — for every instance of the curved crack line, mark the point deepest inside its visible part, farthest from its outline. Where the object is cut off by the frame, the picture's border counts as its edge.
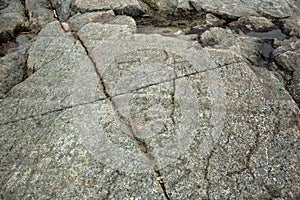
(141, 145)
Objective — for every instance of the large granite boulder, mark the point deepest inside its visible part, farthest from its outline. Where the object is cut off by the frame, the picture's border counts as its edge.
(96, 106)
(111, 114)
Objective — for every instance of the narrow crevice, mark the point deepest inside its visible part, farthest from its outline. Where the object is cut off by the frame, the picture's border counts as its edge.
(269, 16)
(173, 99)
(131, 133)
(162, 184)
(26, 13)
(173, 93)
(101, 82)
(141, 145)
(53, 10)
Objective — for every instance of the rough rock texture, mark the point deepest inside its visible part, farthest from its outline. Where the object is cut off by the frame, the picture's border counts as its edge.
(292, 25)
(121, 108)
(61, 57)
(236, 8)
(13, 65)
(12, 19)
(128, 7)
(79, 20)
(287, 56)
(40, 13)
(256, 23)
(220, 38)
(229, 8)
(62, 8)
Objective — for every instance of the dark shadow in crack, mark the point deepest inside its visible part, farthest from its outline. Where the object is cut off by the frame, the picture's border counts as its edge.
(272, 34)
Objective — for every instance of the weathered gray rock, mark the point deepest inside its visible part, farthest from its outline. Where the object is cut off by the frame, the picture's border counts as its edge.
(235, 9)
(40, 13)
(124, 20)
(56, 59)
(62, 8)
(292, 25)
(256, 23)
(102, 17)
(243, 45)
(12, 19)
(7, 47)
(13, 65)
(146, 117)
(287, 57)
(169, 6)
(52, 163)
(92, 34)
(79, 20)
(232, 9)
(128, 7)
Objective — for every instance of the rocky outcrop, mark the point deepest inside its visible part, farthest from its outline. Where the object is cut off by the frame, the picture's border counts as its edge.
(101, 107)
(13, 68)
(128, 7)
(12, 19)
(40, 13)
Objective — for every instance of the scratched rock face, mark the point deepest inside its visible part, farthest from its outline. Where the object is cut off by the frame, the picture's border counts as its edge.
(153, 104)
(108, 113)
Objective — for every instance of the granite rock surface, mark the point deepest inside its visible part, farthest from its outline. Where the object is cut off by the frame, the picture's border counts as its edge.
(149, 99)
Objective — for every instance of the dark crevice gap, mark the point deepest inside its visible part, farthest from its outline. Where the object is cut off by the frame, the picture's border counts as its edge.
(162, 184)
(131, 134)
(174, 88)
(173, 100)
(25, 9)
(274, 33)
(51, 6)
(267, 37)
(101, 82)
